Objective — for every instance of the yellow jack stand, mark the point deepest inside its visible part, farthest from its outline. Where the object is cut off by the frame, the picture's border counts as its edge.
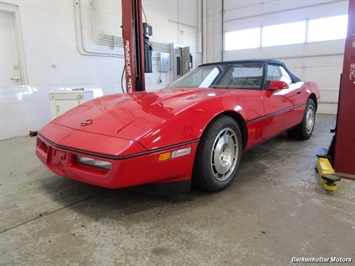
(327, 174)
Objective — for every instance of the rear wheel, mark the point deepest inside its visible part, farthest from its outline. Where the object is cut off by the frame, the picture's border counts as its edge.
(218, 155)
(305, 129)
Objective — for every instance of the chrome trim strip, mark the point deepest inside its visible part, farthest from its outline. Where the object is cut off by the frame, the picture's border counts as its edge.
(275, 113)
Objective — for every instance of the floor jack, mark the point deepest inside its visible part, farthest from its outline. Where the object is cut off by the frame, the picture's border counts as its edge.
(326, 173)
(325, 169)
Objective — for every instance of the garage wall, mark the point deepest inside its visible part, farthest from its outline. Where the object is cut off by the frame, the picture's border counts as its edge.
(78, 44)
(321, 61)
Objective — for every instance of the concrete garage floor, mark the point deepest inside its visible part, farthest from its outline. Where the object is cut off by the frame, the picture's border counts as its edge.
(275, 210)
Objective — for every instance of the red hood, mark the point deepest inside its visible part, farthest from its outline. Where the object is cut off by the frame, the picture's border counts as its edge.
(109, 115)
(139, 116)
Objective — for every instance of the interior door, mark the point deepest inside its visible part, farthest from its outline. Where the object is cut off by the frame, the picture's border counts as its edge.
(9, 59)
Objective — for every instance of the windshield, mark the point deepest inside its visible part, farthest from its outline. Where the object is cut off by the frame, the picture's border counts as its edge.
(201, 77)
(237, 76)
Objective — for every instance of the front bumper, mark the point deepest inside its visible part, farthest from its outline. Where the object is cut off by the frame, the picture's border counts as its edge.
(124, 171)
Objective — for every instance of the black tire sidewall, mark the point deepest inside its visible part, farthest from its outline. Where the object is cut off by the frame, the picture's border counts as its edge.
(202, 168)
(307, 135)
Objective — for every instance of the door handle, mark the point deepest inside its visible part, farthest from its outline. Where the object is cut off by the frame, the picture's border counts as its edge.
(299, 92)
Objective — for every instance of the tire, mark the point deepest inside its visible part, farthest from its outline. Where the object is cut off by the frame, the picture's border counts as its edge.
(218, 155)
(304, 130)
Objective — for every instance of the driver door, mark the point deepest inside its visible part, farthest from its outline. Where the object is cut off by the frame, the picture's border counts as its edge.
(283, 108)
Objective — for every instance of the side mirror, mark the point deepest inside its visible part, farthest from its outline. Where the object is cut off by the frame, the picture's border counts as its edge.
(277, 85)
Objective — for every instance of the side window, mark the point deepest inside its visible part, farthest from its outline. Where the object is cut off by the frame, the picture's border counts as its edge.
(285, 76)
(273, 73)
(242, 76)
(278, 73)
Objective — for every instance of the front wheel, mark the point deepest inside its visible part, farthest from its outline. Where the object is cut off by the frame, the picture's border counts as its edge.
(305, 129)
(218, 155)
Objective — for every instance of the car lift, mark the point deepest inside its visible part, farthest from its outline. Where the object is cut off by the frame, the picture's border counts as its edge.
(137, 51)
(138, 61)
(341, 153)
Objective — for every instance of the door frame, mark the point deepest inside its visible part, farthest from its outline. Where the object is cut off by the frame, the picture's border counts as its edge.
(15, 12)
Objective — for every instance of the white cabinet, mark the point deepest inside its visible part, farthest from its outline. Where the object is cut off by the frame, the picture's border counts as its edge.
(62, 101)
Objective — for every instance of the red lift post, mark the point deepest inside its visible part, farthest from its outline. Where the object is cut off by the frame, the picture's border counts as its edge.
(344, 146)
(133, 44)
(339, 160)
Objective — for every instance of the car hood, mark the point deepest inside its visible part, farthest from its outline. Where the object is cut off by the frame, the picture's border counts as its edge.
(133, 115)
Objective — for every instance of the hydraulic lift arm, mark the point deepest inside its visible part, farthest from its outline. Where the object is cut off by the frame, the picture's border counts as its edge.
(133, 44)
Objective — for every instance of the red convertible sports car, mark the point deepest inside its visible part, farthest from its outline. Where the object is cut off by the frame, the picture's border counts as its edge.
(191, 133)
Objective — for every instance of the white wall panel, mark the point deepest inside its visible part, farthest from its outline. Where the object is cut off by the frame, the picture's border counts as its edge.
(333, 8)
(247, 23)
(213, 44)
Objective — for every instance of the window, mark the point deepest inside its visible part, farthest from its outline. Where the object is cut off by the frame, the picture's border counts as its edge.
(282, 34)
(278, 73)
(201, 77)
(326, 29)
(243, 76)
(207, 81)
(242, 39)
